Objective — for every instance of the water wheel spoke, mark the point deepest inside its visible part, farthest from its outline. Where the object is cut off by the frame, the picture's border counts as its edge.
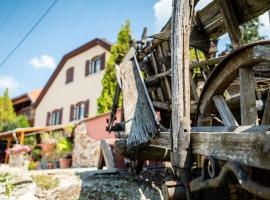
(224, 111)
(247, 97)
(266, 112)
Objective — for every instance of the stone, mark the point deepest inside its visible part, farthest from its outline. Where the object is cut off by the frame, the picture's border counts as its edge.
(85, 150)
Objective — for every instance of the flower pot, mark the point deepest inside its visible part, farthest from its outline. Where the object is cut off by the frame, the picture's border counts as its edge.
(44, 164)
(38, 165)
(56, 164)
(65, 163)
(50, 165)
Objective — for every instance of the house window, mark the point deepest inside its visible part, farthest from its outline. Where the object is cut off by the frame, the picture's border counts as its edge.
(96, 65)
(54, 117)
(69, 75)
(79, 111)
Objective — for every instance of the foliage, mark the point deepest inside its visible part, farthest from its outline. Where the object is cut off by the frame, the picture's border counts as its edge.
(5, 181)
(32, 165)
(21, 121)
(109, 81)
(8, 118)
(45, 182)
(193, 58)
(31, 141)
(250, 31)
(64, 146)
(36, 154)
(69, 129)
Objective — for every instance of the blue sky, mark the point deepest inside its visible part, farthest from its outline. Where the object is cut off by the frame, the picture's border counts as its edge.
(70, 24)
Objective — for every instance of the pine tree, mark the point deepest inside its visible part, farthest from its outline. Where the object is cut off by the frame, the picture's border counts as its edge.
(109, 81)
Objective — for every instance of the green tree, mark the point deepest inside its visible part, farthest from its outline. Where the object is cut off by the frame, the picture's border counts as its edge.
(109, 81)
(250, 31)
(8, 118)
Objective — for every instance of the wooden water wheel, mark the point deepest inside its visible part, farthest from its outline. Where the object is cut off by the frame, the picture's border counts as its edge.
(210, 118)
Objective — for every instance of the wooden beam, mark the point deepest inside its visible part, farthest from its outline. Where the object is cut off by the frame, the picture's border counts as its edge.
(247, 97)
(231, 22)
(157, 76)
(181, 21)
(181, 27)
(107, 154)
(266, 112)
(22, 138)
(249, 145)
(212, 61)
(135, 100)
(224, 111)
(151, 152)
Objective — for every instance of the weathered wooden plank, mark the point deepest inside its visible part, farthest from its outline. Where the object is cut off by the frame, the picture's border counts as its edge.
(141, 123)
(167, 84)
(151, 152)
(162, 105)
(266, 112)
(231, 22)
(247, 97)
(212, 61)
(224, 111)
(107, 154)
(155, 67)
(181, 26)
(180, 80)
(158, 76)
(249, 145)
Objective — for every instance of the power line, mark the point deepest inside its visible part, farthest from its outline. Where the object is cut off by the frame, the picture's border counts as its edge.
(29, 32)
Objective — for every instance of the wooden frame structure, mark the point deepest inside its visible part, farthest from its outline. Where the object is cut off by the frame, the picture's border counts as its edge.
(205, 124)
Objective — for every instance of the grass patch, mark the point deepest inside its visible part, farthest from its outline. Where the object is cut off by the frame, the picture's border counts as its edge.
(5, 181)
(46, 182)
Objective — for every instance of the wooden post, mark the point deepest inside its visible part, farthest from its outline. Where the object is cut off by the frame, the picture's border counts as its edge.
(266, 112)
(224, 111)
(247, 83)
(181, 21)
(22, 138)
(107, 154)
(9, 140)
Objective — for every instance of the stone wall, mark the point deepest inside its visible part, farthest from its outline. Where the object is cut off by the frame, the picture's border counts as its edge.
(86, 149)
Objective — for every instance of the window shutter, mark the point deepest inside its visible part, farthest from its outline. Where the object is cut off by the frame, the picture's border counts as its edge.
(60, 115)
(71, 116)
(71, 74)
(86, 108)
(102, 61)
(87, 70)
(48, 119)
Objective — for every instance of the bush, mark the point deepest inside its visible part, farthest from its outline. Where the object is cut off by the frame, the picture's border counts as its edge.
(64, 147)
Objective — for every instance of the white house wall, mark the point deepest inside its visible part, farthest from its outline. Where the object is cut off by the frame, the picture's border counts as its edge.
(62, 95)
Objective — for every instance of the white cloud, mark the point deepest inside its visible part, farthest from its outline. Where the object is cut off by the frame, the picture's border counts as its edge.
(163, 10)
(44, 61)
(9, 82)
